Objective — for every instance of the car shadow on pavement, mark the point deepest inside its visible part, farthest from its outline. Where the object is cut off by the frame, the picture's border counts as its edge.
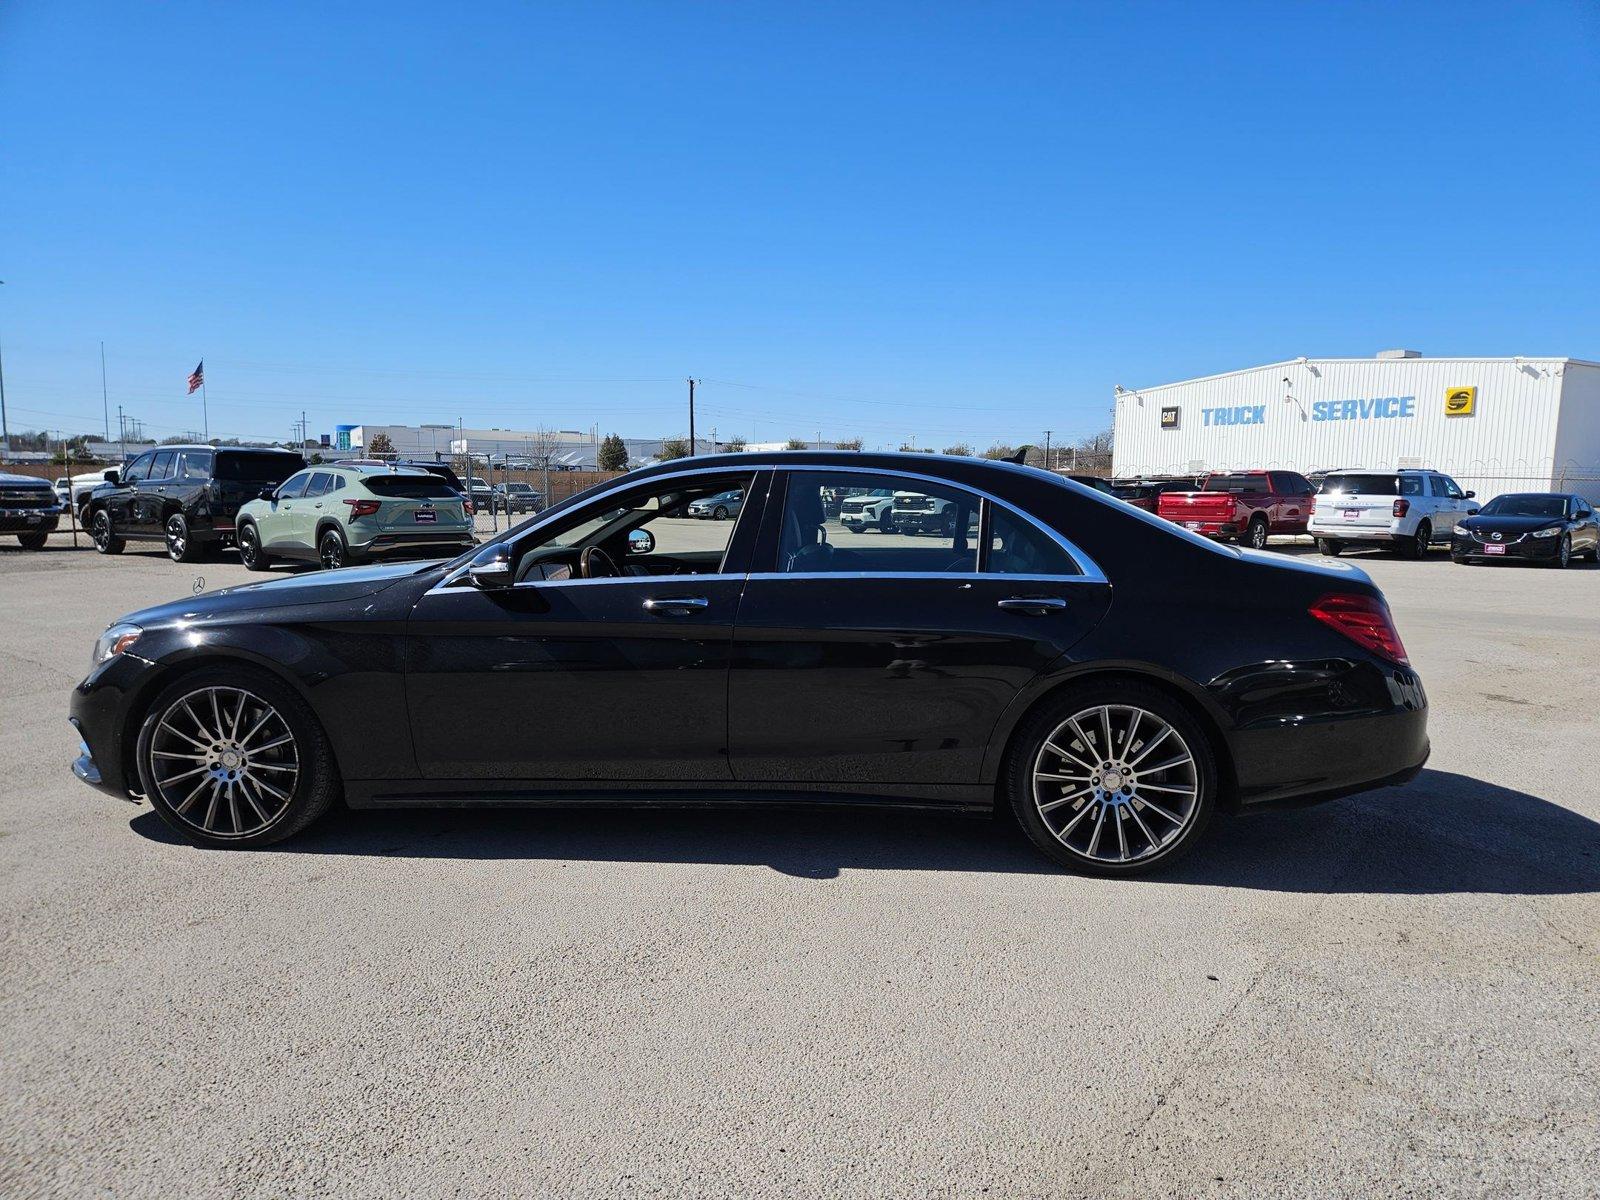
(1442, 833)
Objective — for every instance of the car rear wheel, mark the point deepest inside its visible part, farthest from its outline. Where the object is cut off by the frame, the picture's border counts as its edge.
(181, 546)
(1332, 547)
(1256, 535)
(332, 552)
(1112, 779)
(34, 541)
(250, 551)
(106, 540)
(1417, 545)
(233, 757)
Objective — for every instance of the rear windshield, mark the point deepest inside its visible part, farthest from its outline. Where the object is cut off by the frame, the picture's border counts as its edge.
(410, 487)
(1236, 483)
(258, 468)
(1372, 485)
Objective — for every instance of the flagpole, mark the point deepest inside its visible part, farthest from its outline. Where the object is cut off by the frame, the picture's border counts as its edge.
(205, 406)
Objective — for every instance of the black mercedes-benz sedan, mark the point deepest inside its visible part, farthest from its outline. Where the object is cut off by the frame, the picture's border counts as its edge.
(1551, 528)
(1109, 678)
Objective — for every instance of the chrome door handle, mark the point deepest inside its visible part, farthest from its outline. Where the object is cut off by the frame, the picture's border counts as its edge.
(678, 606)
(1033, 606)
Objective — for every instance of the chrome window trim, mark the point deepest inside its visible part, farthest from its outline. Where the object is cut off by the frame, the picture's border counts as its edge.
(1090, 570)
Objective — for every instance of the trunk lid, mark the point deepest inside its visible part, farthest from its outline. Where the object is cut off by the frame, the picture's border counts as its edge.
(1196, 506)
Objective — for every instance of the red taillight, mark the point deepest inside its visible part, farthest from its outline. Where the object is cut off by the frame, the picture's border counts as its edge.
(466, 506)
(1402, 507)
(1365, 620)
(362, 508)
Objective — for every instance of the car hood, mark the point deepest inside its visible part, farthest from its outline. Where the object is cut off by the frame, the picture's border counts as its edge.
(1509, 523)
(314, 587)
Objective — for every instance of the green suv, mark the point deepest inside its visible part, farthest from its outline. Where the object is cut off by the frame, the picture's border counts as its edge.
(341, 515)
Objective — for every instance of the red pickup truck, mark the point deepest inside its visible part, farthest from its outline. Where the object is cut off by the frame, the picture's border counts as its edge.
(1242, 506)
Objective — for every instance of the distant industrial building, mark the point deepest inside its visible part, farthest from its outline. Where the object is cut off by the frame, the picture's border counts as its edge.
(1494, 424)
(567, 449)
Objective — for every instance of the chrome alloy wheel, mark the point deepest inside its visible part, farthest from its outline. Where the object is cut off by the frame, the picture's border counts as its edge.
(177, 538)
(1115, 784)
(224, 762)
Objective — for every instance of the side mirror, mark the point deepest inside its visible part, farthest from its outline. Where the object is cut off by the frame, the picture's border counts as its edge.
(113, 477)
(268, 493)
(1470, 495)
(490, 571)
(1472, 512)
(641, 541)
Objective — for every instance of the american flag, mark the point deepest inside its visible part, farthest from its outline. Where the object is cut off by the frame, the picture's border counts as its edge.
(197, 377)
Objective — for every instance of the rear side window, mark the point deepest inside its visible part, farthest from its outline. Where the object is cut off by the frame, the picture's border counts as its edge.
(409, 487)
(1019, 548)
(931, 527)
(162, 468)
(195, 465)
(1236, 483)
(256, 467)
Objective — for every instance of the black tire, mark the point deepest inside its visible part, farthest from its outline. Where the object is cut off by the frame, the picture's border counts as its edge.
(1037, 727)
(181, 546)
(251, 554)
(104, 534)
(34, 541)
(947, 525)
(1416, 546)
(316, 783)
(332, 550)
(719, 514)
(1255, 534)
(1332, 547)
(1563, 553)
(886, 522)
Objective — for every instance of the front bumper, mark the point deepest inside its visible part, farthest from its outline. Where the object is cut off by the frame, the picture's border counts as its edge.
(96, 712)
(918, 522)
(30, 520)
(1522, 549)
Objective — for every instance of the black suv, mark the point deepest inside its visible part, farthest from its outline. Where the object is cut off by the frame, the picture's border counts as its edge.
(186, 496)
(29, 508)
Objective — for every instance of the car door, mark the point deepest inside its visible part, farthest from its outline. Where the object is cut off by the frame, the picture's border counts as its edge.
(279, 529)
(193, 488)
(312, 507)
(561, 678)
(147, 512)
(119, 498)
(886, 658)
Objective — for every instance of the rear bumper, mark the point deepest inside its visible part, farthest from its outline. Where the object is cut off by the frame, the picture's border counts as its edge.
(414, 545)
(1212, 529)
(1322, 759)
(1340, 532)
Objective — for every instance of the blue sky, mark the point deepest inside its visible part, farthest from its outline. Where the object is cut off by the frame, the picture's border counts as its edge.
(940, 222)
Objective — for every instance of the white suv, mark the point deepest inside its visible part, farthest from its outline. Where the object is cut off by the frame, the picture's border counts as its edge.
(1406, 510)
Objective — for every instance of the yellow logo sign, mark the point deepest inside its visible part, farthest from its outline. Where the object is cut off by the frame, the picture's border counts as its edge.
(1460, 402)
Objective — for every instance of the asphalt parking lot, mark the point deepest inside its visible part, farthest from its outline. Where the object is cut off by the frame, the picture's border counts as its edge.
(1395, 994)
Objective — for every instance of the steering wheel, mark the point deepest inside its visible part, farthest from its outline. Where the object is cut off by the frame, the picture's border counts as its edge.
(595, 563)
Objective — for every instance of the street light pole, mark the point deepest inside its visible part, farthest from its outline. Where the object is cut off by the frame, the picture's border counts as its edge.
(5, 428)
(691, 417)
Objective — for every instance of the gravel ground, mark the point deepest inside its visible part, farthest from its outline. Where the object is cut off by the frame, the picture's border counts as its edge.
(1394, 994)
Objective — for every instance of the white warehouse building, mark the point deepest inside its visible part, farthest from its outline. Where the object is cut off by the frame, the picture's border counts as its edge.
(1494, 424)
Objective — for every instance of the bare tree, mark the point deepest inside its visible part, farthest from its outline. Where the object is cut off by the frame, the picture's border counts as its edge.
(960, 449)
(999, 450)
(849, 444)
(797, 444)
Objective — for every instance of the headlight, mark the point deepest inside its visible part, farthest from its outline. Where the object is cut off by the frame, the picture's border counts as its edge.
(114, 641)
(1462, 530)
(1551, 532)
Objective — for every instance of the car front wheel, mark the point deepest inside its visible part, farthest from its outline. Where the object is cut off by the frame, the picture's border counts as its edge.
(1112, 779)
(230, 756)
(33, 541)
(250, 551)
(1563, 552)
(106, 540)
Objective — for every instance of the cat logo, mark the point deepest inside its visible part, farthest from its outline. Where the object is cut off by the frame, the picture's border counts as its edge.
(1460, 402)
(1169, 417)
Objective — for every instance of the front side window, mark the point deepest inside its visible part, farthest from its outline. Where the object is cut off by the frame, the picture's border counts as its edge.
(849, 522)
(641, 534)
(295, 486)
(1452, 490)
(138, 470)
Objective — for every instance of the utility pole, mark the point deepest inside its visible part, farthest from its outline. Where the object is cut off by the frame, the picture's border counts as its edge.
(691, 416)
(1047, 449)
(5, 428)
(122, 434)
(105, 398)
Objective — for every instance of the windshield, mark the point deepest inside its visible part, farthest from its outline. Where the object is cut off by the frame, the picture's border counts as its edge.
(1528, 505)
